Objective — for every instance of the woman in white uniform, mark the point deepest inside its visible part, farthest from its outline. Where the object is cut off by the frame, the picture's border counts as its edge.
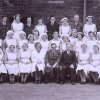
(3, 70)
(38, 63)
(10, 40)
(36, 36)
(64, 29)
(94, 70)
(44, 42)
(89, 26)
(41, 27)
(83, 63)
(91, 41)
(55, 40)
(11, 63)
(24, 63)
(31, 42)
(22, 39)
(17, 26)
(65, 41)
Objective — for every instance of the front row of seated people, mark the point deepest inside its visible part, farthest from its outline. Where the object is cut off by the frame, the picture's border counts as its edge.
(41, 58)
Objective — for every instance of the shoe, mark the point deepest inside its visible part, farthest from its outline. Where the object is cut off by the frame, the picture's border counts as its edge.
(61, 83)
(73, 83)
(57, 82)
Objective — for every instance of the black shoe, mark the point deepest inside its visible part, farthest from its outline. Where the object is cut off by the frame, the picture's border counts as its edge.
(73, 83)
(46, 82)
(57, 82)
(61, 83)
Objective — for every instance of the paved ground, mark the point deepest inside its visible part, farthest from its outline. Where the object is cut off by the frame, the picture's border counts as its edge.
(49, 92)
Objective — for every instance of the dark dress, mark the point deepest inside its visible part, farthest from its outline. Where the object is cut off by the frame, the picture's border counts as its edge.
(4, 29)
(51, 29)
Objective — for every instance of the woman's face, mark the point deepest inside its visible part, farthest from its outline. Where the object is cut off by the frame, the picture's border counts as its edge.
(64, 22)
(17, 19)
(38, 47)
(84, 47)
(24, 47)
(89, 20)
(55, 35)
(65, 39)
(10, 36)
(79, 36)
(29, 20)
(44, 37)
(74, 33)
(12, 48)
(40, 21)
(31, 39)
(95, 48)
(91, 35)
(22, 36)
(36, 34)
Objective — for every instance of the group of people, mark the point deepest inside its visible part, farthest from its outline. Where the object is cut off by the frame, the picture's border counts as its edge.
(49, 51)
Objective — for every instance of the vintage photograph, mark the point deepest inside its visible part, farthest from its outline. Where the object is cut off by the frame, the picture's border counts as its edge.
(49, 49)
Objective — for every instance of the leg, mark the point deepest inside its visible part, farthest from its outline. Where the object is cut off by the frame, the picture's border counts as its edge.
(22, 78)
(25, 77)
(40, 76)
(62, 79)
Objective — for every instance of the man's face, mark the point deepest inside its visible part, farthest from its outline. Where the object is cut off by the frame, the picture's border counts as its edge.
(53, 47)
(52, 19)
(4, 19)
(76, 18)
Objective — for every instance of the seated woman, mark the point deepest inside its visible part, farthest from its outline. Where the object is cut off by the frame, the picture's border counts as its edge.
(94, 70)
(83, 63)
(10, 40)
(24, 63)
(41, 27)
(36, 36)
(22, 39)
(44, 42)
(65, 28)
(38, 63)
(11, 63)
(65, 41)
(55, 40)
(89, 26)
(3, 70)
(31, 42)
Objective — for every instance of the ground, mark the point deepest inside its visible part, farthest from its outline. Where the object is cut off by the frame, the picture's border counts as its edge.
(50, 91)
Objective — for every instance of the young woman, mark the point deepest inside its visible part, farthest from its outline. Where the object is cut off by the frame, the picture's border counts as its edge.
(65, 41)
(89, 26)
(94, 70)
(64, 29)
(41, 27)
(91, 41)
(11, 62)
(24, 63)
(38, 64)
(44, 42)
(31, 42)
(55, 40)
(83, 63)
(36, 36)
(3, 70)
(10, 40)
(17, 25)
(22, 39)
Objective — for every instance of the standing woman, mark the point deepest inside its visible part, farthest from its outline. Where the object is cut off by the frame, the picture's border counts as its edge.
(65, 41)
(24, 63)
(44, 42)
(89, 26)
(41, 27)
(11, 63)
(38, 63)
(31, 42)
(55, 40)
(22, 39)
(83, 63)
(17, 25)
(3, 70)
(94, 70)
(64, 29)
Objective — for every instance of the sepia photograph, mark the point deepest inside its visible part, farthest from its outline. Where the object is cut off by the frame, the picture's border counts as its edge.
(49, 49)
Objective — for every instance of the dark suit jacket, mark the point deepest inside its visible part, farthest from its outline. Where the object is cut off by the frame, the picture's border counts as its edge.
(68, 59)
(52, 58)
(51, 29)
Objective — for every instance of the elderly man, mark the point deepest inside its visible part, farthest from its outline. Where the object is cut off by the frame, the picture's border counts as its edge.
(52, 60)
(68, 63)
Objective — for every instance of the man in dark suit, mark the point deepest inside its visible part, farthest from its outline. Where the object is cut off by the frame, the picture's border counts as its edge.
(52, 60)
(52, 26)
(4, 27)
(68, 63)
